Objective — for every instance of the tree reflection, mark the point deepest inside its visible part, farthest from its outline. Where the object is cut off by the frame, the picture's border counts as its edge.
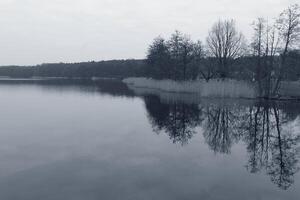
(220, 128)
(265, 128)
(178, 120)
(271, 144)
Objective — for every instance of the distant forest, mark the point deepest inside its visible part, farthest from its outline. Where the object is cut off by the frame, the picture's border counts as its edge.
(242, 68)
(108, 69)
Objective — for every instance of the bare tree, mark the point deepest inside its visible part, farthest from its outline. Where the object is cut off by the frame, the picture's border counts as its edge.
(225, 43)
(271, 50)
(257, 44)
(265, 46)
(200, 65)
(208, 68)
(288, 25)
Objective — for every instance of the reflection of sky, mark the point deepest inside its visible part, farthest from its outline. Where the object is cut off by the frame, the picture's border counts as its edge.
(73, 145)
(294, 126)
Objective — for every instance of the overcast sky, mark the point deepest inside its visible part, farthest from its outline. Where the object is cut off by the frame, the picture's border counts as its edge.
(43, 31)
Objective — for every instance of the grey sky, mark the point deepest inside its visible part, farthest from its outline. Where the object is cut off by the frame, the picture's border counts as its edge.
(40, 31)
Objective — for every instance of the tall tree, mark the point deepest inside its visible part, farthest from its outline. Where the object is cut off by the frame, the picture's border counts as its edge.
(203, 66)
(288, 25)
(257, 44)
(176, 58)
(265, 46)
(158, 59)
(225, 43)
(181, 52)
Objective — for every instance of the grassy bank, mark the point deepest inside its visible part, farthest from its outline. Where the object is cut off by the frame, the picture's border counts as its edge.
(213, 88)
(290, 89)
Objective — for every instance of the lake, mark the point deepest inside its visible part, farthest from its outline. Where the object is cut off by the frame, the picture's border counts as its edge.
(79, 139)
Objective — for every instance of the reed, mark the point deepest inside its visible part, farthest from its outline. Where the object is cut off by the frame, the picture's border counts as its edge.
(214, 88)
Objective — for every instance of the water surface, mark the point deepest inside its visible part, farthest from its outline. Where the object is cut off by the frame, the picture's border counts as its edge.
(75, 139)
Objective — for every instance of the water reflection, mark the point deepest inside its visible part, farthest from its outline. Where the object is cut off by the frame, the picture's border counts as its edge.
(271, 143)
(178, 120)
(112, 87)
(269, 131)
(220, 128)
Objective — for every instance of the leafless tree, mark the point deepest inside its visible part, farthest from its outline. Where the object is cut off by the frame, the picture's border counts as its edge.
(225, 43)
(288, 25)
(205, 66)
(257, 44)
(265, 45)
(208, 68)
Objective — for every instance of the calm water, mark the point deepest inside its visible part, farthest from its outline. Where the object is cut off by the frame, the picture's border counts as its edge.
(102, 140)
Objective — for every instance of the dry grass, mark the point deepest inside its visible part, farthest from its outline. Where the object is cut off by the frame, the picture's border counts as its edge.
(290, 89)
(213, 88)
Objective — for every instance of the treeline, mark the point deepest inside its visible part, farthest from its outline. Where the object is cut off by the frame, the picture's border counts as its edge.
(109, 69)
(243, 68)
(271, 56)
(180, 58)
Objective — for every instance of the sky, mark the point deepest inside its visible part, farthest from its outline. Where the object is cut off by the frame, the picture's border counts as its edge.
(47, 31)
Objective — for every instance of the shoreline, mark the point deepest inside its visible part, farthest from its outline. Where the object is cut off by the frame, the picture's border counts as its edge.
(184, 87)
(221, 92)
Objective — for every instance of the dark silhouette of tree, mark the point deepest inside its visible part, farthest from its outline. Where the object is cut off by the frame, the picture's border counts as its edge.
(181, 51)
(267, 42)
(197, 67)
(177, 58)
(265, 46)
(225, 43)
(288, 25)
(159, 60)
